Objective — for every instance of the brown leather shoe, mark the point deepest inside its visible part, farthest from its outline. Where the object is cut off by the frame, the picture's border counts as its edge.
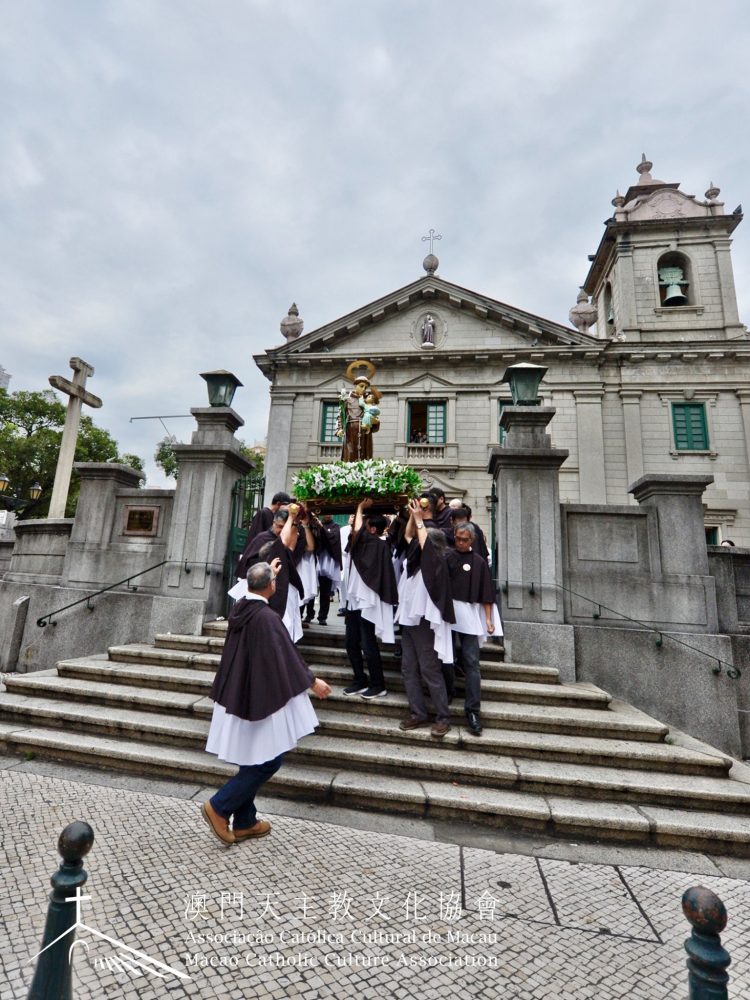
(260, 829)
(412, 722)
(218, 824)
(439, 729)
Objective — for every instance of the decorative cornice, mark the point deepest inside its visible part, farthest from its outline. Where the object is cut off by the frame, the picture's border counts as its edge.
(616, 238)
(433, 289)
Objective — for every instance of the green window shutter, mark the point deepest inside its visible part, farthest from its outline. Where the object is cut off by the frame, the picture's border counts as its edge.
(329, 413)
(690, 426)
(436, 423)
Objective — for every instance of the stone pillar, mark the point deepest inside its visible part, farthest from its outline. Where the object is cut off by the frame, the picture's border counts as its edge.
(100, 482)
(744, 397)
(628, 323)
(726, 287)
(678, 501)
(208, 469)
(631, 412)
(526, 469)
(90, 559)
(39, 552)
(591, 478)
(278, 442)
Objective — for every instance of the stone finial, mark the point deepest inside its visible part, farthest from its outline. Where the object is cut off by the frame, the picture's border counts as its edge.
(430, 263)
(291, 325)
(644, 169)
(583, 313)
(713, 192)
(618, 201)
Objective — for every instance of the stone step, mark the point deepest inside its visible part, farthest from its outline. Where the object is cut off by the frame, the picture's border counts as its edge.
(317, 635)
(520, 690)
(137, 674)
(491, 670)
(322, 635)
(150, 717)
(496, 741)
(556, 815)
(423, 759)
(143, 654)
(129, 723)
(598, 724)
(143, 665)
(48, 684)
(207, 649)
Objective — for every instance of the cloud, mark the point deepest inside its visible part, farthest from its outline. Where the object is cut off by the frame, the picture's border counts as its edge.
(173, 176)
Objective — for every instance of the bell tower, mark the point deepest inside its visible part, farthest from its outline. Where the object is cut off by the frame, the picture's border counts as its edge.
(663, 270)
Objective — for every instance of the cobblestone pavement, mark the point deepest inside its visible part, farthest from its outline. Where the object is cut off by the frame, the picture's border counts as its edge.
(327, 911)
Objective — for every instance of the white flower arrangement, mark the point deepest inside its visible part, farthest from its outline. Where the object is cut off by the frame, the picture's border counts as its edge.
(372, 477)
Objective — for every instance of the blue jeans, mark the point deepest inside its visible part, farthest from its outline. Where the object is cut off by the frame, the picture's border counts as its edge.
(237, 797)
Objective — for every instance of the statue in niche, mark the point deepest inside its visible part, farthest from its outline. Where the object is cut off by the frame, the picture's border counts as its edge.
(428, 332)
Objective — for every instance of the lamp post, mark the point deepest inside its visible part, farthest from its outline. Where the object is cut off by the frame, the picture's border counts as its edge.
(222, 386)
(11, 501)
(524, 379)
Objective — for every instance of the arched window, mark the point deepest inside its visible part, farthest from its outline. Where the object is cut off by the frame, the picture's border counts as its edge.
(675, 280)
(609, 311)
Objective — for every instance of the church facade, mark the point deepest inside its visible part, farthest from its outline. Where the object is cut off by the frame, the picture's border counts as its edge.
(653, 375)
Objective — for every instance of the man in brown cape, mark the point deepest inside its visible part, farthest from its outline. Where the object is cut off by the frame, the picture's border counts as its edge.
(261, 706)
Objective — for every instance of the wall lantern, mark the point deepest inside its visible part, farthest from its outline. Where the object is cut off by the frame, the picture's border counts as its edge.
(221, 387)
(524, 379)
(12, 501)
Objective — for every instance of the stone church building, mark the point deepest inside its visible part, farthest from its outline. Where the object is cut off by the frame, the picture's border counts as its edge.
(653, 375)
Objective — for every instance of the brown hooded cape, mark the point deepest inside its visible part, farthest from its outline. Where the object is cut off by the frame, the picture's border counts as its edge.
(260, 669)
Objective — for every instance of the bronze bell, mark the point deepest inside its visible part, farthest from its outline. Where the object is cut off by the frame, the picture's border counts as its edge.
(673, 278)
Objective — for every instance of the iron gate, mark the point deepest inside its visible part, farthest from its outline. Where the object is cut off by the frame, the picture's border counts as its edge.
(247, 498)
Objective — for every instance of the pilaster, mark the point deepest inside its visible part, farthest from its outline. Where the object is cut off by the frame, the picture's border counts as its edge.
(631, 411)
(744, 397)
(591, 475)
(278, 443)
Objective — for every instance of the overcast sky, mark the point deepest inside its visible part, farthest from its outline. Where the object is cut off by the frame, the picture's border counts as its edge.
(174, 174)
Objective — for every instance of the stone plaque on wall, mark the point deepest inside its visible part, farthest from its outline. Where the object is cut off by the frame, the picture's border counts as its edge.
(619, 539)
(141, 520)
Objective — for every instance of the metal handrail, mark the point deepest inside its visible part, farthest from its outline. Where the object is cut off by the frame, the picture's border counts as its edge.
(732, 671)
(48, 618)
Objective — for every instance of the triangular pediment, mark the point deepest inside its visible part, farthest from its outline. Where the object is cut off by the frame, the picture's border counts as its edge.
(667, 203)
(425, 383)
(462, 315)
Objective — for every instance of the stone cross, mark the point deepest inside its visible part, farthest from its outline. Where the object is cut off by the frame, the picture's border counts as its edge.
(431, 237)
(78, 395)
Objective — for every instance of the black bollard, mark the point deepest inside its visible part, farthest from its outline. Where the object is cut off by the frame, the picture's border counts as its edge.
(53, 978)
(707, 959)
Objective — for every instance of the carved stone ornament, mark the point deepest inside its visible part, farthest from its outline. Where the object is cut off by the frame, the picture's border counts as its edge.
(583, 313)
(428, 331)
(291, 325)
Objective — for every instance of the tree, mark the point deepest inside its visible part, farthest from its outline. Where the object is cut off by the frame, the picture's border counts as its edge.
(166, 459)
(30, 433)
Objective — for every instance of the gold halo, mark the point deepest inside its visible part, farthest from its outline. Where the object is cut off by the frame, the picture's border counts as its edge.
(367, 365)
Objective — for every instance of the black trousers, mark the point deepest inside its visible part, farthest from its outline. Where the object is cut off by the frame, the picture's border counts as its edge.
(360, 637)
(326, 590)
